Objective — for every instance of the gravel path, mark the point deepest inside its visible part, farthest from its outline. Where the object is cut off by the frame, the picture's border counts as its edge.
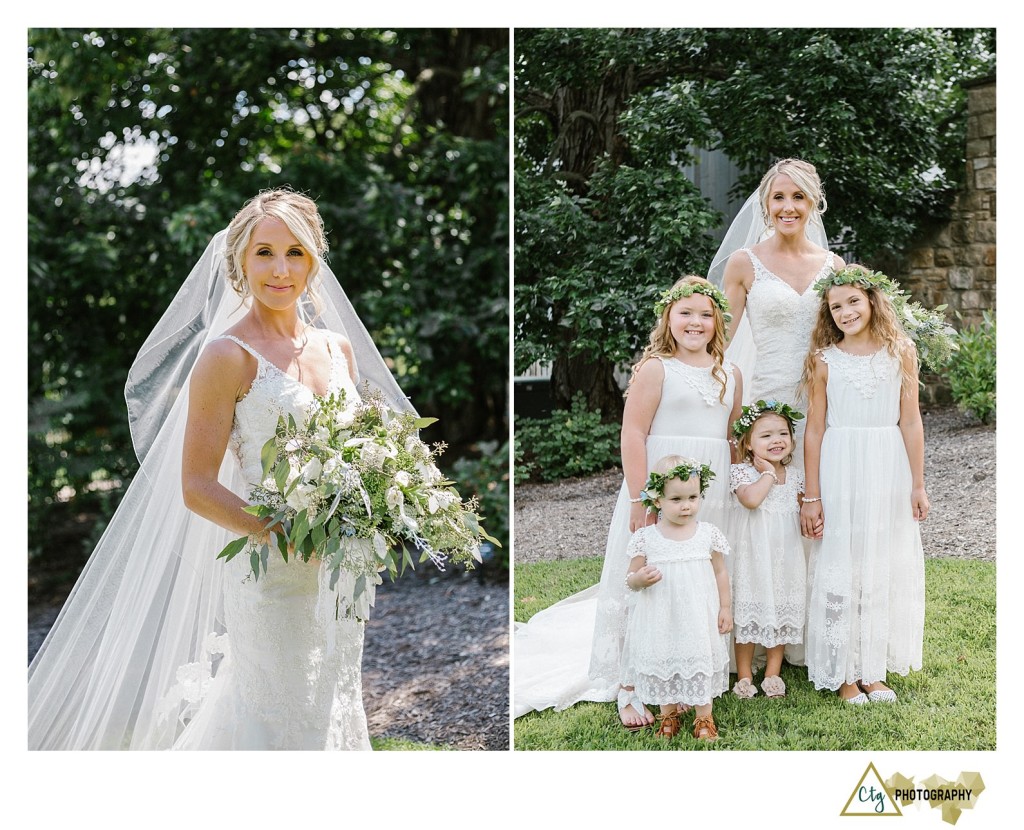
(435, 661)
(960, 476)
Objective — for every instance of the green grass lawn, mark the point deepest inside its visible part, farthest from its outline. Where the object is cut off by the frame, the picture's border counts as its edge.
(401, 744)
(949, 705)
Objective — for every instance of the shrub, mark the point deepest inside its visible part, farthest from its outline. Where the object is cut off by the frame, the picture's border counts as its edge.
(567, 443)
(972, 373)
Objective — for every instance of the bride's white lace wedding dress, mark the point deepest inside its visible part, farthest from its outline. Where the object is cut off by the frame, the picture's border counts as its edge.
(287, 671)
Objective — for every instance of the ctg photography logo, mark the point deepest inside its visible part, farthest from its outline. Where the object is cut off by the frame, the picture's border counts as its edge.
(870, 797)
(874, 797)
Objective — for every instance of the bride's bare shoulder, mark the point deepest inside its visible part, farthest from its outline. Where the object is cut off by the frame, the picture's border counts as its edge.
(738, 269)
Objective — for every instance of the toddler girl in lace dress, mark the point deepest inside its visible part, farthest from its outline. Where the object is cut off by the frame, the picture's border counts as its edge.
(676, 649)
(864, 463)
(769, 574)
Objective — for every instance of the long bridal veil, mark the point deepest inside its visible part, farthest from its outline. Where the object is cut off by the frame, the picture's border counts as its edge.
(136, 646)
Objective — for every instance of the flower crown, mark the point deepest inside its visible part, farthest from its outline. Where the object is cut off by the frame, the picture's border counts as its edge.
(688, 290)
(751, 413)
(655, 486)
(861, 277)
(934, 338)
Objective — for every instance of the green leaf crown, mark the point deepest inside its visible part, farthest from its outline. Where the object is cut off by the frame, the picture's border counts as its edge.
(672, 295)
(655, 486)
(751, 413)
(934, 338)
(859, 276)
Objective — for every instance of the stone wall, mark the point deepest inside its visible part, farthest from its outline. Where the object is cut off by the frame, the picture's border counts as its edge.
(956, 264)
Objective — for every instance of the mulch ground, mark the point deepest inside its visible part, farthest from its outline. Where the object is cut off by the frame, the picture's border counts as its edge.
(435, 661)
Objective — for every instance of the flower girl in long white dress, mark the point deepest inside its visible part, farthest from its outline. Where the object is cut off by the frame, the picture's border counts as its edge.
(864, 461)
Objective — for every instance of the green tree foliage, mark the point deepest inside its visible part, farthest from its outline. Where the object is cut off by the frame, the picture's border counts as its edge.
(143, 143)
(606, 118)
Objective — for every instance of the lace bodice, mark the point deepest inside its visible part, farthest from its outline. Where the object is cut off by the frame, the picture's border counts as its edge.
(781, 322)
(651, 544)
(690, 402)
(273, 394)
(863, 390)
(781, 498)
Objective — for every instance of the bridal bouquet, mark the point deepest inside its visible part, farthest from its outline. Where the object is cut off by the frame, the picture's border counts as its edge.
(355, 486)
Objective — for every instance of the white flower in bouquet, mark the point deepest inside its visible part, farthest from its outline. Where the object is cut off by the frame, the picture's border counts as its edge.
(312, 470)
(403, 479)
(301, 496)
(429, 473)
(373, 455)
(416, 448)
(394, 497)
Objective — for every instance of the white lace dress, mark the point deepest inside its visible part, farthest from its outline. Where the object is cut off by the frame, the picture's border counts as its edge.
(673, 651)
(780, 323)
(866, 613)
(769, 573)
(571, 651)
(287, 672)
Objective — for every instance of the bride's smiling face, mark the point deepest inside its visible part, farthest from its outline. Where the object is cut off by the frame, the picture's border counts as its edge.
(789, 208)
(276, 265)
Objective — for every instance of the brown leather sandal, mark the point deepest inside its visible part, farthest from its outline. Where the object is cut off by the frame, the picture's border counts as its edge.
(669, 726)
(706, 723)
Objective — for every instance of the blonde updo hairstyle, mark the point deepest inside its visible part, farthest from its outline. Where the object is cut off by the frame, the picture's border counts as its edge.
(662, 343)
(299, 214)
(803, 176)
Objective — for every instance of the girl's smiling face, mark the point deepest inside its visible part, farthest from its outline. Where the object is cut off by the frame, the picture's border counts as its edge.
(680, 501)
(850, 309)
(692, 323)
(771, 439)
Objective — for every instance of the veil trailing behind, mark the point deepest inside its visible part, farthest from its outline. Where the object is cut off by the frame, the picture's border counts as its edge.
(553, 651)
(129, 661)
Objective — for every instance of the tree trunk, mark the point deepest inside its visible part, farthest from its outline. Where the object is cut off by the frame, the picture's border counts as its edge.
(594, 378)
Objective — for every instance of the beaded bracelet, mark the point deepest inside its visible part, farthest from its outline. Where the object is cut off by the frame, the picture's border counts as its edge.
(631, 588)
(807, 499)
(771, 473)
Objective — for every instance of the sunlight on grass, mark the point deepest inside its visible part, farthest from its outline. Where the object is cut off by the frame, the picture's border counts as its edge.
(949, 705)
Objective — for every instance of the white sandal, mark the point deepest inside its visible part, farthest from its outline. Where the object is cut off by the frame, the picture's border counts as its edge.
(629, 697)
(744, 688)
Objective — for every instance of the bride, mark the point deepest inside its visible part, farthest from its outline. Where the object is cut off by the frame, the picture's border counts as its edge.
(161, 646)
(773, 252)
